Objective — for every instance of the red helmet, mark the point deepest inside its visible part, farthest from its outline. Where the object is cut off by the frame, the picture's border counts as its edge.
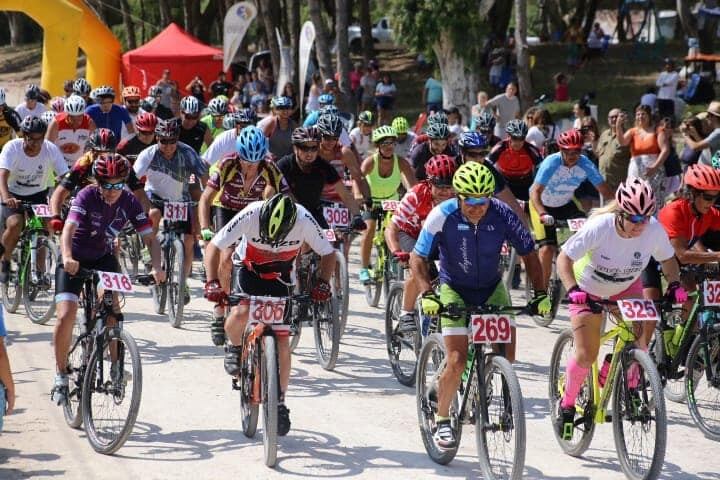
(571, 140)
(635, 197)
(109, 165)
(702, 177)
(440, 169)
(146, 122)
(102, 140)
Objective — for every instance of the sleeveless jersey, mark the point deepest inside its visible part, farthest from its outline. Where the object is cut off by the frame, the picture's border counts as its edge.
(384, 188)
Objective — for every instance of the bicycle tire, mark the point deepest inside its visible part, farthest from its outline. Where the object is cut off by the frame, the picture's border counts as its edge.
(433, 350)
(373, 289)
(295, 338)
(583, 402)
(674, 388)
(38, 311)
(176, 284)
(271, 398)
(555, 291)
(326, 328)
(342, 289)
(493, 470)
(12, 289)
(655, 409)
(159, 290)
(396, 342)
(698, 380)
(89, 391)
(72, 409)
(248, 409)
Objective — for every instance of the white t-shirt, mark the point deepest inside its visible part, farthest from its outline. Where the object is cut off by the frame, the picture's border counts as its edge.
(667, 83)
(402, 149)
(537, 138)
(30, 175)
(222, 145)
(24, 111)
(605, 264)
(362, 142)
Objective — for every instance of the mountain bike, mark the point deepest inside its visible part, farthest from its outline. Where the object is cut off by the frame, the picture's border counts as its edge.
(383, 268)
(489, 395)
(638, 405)
(131, 251)
(105, 369)
(338, 218)
(32, 268)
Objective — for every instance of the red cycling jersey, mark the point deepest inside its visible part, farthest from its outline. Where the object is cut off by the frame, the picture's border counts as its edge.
(514, 164)
(413, 209)
(680, 220)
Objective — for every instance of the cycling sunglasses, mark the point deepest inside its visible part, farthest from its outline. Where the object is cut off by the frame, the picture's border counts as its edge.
(707, 197)
(168, 141)
(475, 153)
(637, 219)
(475, 201)
(112, 186)
(308, 148)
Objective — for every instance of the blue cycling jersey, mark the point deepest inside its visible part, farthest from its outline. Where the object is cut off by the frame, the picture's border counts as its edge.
(113, 120)
(561, 181)
(311, 119)
(470, 254)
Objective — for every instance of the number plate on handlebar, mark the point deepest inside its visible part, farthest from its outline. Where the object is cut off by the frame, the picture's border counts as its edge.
(638, 310)
(337, 216)
(117, 282)
(42, 210)
(176, 211)
(270, 310)
(491, 329)
(711, 293)
(389, 205)
(330, 234)
(575, 224)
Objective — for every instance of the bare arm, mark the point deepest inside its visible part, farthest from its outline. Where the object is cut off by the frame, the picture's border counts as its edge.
(211, 259)
(208, 138)
(349, 160)
(57, 199)
(565, 270)
(420, 271)
(695, 144)
(686, 255)
(204, 206)
(534, 269)
(5, 195)
(347, 199)
(664, 143)
(391, 237)
(605, 191)
(6, 377)
(66, 241)
(52, 132)
(671, 270)
(408, 173)
(623, 136)
(367, 165)
(327, 266)
(536, 198)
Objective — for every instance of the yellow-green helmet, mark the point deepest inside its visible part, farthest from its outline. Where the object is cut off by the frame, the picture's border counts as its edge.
(473, 178)
(383, 132)
(400, 124)
(277, 218)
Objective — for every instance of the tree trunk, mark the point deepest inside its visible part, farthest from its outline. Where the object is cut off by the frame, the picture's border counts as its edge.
(523, 56)
(294, 29)
(129, 24)
(322, 45)
(343, 52)
(706, 35)
(191, 16)
(579, 13)
(460, 79)
(269, 13)
(207, 20)
(165, 13)
(368, 49)
(15, 22)
(143, 32)
(555, 17)
(590, 17)
(499, 18)
(687, 19)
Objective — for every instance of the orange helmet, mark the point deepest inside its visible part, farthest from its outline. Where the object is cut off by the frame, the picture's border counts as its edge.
(702, 177)
(131, 91)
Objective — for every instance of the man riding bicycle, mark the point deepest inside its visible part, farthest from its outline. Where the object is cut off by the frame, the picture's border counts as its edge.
(272, 234)
(71, 129)
(468, 232)
(225, 143)
(516, 159)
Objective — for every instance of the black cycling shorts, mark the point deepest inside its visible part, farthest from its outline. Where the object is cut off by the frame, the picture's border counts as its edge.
(68, 288)
(222, 216)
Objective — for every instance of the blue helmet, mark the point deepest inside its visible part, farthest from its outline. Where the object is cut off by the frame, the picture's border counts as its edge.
(473, 140)
(251, 144)
(281, 102)
(326, 99)
(329, 109)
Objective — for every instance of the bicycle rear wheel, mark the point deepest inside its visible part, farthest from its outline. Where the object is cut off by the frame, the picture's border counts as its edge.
(248, 409)
(584, 426)
(12, 290)
(638, 417)
(341, 286)
(271, 397)
(130, 253)
(39, 296)
(110, 408)
(402, 348)
(501, 440)
(703, 394)
(176, 284)
(77, 359)
(326, 326)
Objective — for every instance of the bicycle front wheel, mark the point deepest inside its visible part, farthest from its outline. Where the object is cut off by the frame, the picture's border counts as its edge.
(402, 347)
(326, 326)
(12, 289)
(373, 288)
(638, 417)
(271, 397)
(704, 394)
(341, 285)
(39, 293)
(501, 437)
(248, 377)
(110, 404)
(159, 290)
(76, 362)
(176, 284)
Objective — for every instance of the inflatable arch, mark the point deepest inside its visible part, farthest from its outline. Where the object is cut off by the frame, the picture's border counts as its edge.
(67, 25)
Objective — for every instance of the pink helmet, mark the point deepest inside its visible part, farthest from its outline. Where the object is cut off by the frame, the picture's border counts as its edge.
(635, 197)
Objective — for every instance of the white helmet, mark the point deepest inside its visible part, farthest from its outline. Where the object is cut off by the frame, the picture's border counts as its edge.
(190, 105)
(48, 116)
(2, 96)
(75, 105)
(217, 106)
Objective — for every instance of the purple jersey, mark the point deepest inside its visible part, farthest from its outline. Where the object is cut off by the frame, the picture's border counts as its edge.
(98, 224)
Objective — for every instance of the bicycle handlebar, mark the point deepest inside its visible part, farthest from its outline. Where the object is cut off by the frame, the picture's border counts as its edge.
(456, 310)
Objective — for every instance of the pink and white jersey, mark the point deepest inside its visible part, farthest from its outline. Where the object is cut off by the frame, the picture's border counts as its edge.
(71, 141)
(329, 194)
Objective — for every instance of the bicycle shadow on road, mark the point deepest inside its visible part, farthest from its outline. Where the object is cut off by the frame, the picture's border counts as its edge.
(8, 454)
(152, 353)
(607, 461)
(15, 336)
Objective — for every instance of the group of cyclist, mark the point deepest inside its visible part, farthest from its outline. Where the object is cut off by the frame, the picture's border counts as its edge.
(262, 186)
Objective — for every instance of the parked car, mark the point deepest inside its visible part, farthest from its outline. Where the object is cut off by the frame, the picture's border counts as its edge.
(382, 36)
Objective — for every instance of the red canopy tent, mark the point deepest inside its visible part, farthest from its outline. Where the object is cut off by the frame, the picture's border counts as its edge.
(173, 48)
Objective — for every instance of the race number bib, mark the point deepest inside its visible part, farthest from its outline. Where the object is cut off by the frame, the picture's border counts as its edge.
(117, 282)
(389, 205)
(270, 310)
(491, 329)
(42, 210)
(176, 211)
(330, 234)
(711, 293)
(638, 310)
(337, 216)
(575, 224)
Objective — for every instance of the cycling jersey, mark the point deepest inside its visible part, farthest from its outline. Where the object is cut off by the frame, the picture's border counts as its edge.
(132, 146)
(221, 146)
(279, 140)
(384, 188)
(80, 175)
(363, 145)
(210, 123)
(470, 254)
(606, 264)
(276, 260)
(679, 219)
(9, 122)
(560, 181)
(194, 136)
(168, 179)
(24, 111)
(70, 140)
(337, 163)
(98, 223)
(29, 175)
(420, 155)
(307, 187)
(227, 178)
(413, 209)
(515, 164)
(113, 120)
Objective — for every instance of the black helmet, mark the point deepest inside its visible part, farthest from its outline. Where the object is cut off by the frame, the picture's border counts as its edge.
(167, 128)
(31, 124)
(102, 140)
(329, 124)
(277, 218)
(304, 134)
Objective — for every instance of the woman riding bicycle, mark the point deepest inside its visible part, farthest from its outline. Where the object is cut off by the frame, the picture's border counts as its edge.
(605, 260)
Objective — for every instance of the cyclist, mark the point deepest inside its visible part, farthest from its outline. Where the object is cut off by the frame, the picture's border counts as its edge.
(274, 231)
(235, 182)
(384, 172)
(402, 232)
(485, 124)
(361, 135)
(71, 129)
(106, 114)
(9, 121)
(193, 132)
(325, 100)
(131, 147)
(551, 194)
(278, 127)
(131, 102)
(437, 144)
(225, 143)
(604, 260)
(97, 215)
(167, 167)
(26, 167)
(468, 232)
(216, 110)
(406, 138)
(516, 159)
(154, 95)
(82, 87)
(32, 106)
(438, 116)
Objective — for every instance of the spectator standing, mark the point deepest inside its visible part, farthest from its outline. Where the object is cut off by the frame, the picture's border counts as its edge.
(355, 76)
(9, 121)
(481, 106)
(385, 98)
(709, 145)
(220, 86)
(265, 75)
(197, 88)
(432, 95)
(168, 89)
(595, 41)
(368, 82)
(613, 157)
(507, 107)
(562, 91)
(497, 64)
(313, 104)
(649, 98)
(667, 84)
(542, 130)
(580, 110)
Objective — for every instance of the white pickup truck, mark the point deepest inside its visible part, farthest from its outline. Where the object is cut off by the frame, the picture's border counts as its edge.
(382, 36)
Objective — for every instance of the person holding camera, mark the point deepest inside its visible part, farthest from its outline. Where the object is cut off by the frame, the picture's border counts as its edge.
(706, 147)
